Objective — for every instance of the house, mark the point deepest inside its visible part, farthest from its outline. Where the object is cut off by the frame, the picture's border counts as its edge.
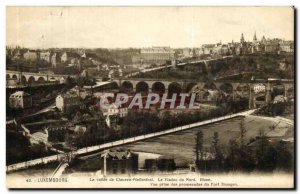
(45, 56)
(64, 57)
(57, 133)
(279, 98)
(119, 162)
(109, 108)
(17, 55)
(104, 96)
(112, 121)
(83, 55)
(162, 163)
(283, 66)
(54, 60)
(68, 56)
(12, 81)
(136, 59)
(224, 50)
(208, 95)
(81, 129)
(84, 74)
(40, 136)
(31, 55)
(259, 88)
(66, 102)
(83, 93)
(62, 80)
(114, 109)
(187, 52)
(198, 52)
(263, 40)
(113, 113)
(75, 62)
(20, 99)
(271, 46)
(207, 49)
(286, 46)
(157, 55)
(207, 163)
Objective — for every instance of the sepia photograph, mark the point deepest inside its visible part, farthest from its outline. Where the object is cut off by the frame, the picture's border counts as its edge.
(150, 97)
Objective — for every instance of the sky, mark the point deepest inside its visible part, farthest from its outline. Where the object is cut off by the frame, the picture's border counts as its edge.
(123, 27)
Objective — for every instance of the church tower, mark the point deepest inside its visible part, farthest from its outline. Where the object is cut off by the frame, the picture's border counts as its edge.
(263, 40)
(254, 38)
(242, 39)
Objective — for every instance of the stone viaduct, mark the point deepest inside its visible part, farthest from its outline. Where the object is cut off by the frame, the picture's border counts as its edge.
(29, 77)
(250, 89)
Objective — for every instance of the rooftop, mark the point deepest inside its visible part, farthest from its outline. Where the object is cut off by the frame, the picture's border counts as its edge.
(19, 94)
(118, 154)
(157, 50)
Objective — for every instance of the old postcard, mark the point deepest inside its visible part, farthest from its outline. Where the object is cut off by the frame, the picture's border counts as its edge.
(150, 97)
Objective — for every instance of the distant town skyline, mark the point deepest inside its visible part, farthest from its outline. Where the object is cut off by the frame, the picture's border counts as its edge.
(124, 27)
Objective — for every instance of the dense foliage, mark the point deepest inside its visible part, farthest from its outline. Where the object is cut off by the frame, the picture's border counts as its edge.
(257, 155)
(275, 109)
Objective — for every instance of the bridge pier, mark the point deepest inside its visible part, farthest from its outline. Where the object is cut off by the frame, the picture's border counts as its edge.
(268, 94)
(268, 97)
(234, 94)
(285, 93)
(251, 98)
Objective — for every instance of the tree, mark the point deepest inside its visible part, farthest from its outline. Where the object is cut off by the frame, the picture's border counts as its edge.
(239, 158)
(284, 157)
(215, 141)
(78, 117)
(242, 132)
(218, 154)
(166, 120)
(232, 158)
(273, 109)
(199, 146)
(130, 124)
(261, 149)
(68, 140)
(268, 161)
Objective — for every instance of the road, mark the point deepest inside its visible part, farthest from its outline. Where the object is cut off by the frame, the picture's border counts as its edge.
(60, 169)
(46, 109)
(179, 64)
(37, 139)
(204, 60)
(276, 119)
(85, 150)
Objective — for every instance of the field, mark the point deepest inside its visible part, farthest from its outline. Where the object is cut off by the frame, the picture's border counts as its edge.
(180, 146)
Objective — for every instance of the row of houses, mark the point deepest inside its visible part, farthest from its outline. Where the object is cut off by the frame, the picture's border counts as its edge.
(238, 48)
(20, 99)
(157, 55)
(70, 58)
(153, 55)
(74, 99)
(126, 162)
(110, 110)
(160, 55)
